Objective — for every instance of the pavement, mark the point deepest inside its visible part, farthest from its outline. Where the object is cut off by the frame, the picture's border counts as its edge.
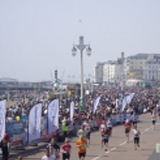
(119, 148)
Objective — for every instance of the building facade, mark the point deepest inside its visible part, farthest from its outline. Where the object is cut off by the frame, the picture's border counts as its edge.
(98, 73)
(152, 68)
(109, 72)
(141, 67)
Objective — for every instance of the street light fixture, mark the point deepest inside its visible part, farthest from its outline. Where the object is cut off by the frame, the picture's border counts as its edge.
(81, 46)
(74, 51)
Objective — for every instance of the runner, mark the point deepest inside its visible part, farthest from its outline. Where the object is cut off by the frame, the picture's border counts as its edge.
(153, 116)
(109, 126)
(66, 150)
(106, 135)
(82, 132)
(54, 149)
(102, 130)
(81, 144)
(134, 118)
(136, 133)
(87, 128)
(127, 126)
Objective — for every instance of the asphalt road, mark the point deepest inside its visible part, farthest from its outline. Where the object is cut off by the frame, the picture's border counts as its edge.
(119, 149)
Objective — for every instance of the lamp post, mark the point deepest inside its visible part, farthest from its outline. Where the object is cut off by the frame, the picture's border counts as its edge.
(81, 46)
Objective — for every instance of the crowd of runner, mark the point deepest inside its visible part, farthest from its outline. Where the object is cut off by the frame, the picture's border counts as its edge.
(145, 100)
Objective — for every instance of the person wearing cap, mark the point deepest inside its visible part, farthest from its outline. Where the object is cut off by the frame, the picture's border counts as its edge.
(4, 144)
(66, 150)
(81, 144)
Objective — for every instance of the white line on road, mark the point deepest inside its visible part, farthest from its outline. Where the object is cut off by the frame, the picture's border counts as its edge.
(113, 149)
(123, 143)
(97, 157)
(146, 130)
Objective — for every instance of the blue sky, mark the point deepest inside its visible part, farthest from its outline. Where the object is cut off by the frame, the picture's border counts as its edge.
(36, 36)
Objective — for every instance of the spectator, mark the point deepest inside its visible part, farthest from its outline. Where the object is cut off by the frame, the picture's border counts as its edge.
(4, 145)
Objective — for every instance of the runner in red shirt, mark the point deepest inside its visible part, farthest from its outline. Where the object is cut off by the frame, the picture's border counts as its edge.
(66, 150)
(127, 126)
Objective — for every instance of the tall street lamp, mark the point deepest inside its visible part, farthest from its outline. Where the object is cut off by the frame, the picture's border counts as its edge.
(81, 46)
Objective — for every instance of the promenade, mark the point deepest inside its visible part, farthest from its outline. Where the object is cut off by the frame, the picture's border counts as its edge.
(118, 147)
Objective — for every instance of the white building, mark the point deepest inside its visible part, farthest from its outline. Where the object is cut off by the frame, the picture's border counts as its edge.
(109, 72)
(152, 68)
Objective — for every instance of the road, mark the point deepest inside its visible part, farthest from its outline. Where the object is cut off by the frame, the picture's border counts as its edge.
(118, 147)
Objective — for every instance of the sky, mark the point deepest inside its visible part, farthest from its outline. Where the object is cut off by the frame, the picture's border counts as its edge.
(37, 36)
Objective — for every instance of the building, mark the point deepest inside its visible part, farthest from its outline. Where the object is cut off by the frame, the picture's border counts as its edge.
(152, 68)
(109, 73)
(142, 67)
(98, 73)
(134, 66)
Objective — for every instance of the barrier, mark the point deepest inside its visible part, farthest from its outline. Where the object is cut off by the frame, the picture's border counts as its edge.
(18, 130)
(44, 130)
(17, 134)
(44, 133)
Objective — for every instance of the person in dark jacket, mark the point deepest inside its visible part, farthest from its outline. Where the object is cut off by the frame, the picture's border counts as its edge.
(4, 146)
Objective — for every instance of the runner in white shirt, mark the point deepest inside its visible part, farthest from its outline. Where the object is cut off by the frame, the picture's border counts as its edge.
(109, 126)
(47, 155)
(153, 116)
(82, 132)
(136, 133)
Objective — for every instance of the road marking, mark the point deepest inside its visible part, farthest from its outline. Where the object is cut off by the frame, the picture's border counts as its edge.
(113, 149)
(97, 157)
(146, 130)
(123, 143)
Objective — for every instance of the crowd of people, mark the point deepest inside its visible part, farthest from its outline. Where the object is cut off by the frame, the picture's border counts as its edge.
(145, 100)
